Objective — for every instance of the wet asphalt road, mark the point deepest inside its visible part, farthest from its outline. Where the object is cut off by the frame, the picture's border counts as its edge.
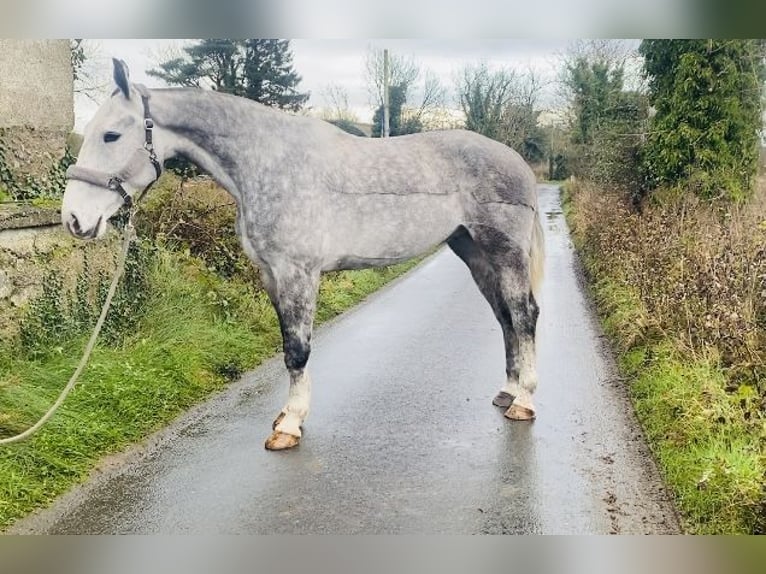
(402, 437)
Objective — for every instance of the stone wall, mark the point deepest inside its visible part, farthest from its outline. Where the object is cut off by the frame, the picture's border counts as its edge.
(36, 103)
(33, 245)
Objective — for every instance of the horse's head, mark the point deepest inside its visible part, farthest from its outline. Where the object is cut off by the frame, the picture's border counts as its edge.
(116, 160)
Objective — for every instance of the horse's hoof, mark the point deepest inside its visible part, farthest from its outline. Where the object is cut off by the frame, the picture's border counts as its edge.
(519, 413)
(503, 400)
(281, 441)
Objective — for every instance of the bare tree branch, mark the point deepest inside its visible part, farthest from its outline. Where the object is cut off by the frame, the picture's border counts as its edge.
(89, 80)
(423, 93)
(403, 71)
(502, 104)
(336, 104)
(434, 94)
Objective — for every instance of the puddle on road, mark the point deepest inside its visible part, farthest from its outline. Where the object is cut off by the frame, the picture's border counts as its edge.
(553, 218)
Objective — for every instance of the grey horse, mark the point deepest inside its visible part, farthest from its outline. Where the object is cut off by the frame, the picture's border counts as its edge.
(312, 198)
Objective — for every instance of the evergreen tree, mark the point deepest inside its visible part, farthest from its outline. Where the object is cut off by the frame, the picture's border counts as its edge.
(258, 69)
(269, 76)
(213, 63)
(707, 95)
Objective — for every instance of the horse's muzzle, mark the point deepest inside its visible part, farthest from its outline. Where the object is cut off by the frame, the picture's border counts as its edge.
(73, 226)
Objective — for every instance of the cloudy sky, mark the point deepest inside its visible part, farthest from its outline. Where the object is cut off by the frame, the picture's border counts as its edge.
(340, 62)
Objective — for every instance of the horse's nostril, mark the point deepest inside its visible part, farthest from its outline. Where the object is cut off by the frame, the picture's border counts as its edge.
(94, 232)
(74, 224)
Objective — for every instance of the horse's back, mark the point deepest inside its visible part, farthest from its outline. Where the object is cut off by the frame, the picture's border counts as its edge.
(491, 171)
(437, 162)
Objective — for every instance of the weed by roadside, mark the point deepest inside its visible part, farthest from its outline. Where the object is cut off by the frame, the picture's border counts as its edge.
(681, 287)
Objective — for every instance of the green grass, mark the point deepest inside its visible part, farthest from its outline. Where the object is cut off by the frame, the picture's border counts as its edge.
(697, 432)
(198, 333)
(708, 439)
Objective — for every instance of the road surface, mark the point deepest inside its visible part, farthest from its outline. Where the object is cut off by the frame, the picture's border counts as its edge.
(402, 437)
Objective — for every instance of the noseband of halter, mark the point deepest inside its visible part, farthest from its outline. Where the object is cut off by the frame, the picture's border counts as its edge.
(114, 181)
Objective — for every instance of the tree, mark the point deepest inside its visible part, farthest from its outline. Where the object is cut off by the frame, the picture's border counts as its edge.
(258, 69)
(88, 81)
(596, 89)
(607, 122)
(501, 105)
(337, 107)
(77, 57)
(400, 123)
(337, 110)
(483, 96)
(707, 95)
(403, 71)
(404, 84)
(269, 75)
(211, 63)
(611, 54)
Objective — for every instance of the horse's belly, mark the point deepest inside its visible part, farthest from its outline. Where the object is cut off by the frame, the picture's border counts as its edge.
(385, 229)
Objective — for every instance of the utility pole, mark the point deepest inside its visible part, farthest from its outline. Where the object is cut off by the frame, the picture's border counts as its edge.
(386, 128)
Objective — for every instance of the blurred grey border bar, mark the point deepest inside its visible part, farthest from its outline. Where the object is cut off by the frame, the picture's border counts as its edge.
(384, 554)
(382, 19)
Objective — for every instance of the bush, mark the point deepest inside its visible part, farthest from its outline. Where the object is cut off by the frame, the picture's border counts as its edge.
(197, 216)
(682, 289)
(55, 316)
(707, 94)
(699, 270)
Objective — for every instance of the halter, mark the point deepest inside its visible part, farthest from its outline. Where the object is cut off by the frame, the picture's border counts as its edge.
(114, 181)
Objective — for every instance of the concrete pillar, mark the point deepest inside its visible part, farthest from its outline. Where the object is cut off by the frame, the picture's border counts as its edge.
(36, 104)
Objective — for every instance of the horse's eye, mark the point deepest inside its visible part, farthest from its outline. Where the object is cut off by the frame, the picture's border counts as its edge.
(111, 137)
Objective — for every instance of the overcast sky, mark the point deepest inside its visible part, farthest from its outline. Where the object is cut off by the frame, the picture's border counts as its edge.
(341, 62)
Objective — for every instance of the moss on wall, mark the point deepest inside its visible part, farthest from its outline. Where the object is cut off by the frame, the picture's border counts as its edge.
(33, 247)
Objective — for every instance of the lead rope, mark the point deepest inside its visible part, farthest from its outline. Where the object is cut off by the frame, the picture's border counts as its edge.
(129, 234)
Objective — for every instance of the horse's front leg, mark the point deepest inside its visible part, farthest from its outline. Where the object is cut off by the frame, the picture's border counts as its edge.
(293, 290)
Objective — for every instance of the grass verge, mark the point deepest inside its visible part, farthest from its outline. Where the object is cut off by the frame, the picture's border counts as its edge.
(197, 333)
(702, 416)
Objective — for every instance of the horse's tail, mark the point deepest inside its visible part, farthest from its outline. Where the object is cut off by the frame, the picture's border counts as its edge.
(536, 256)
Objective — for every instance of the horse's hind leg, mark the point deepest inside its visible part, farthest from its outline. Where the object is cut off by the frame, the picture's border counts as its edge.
(487, 280)
(524, 312)
(293, 290)
(511, 263)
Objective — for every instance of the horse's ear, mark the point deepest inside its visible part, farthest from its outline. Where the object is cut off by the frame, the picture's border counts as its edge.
(121, 76)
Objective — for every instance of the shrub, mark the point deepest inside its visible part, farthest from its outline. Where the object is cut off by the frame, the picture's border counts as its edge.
(197, 216)
(707, 95)
(699, 269)
(682, 290)
(56, 316)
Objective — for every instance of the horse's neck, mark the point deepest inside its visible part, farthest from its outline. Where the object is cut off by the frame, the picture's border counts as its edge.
(212, 132)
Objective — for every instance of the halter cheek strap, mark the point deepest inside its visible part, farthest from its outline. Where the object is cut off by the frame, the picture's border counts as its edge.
(114, 181)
